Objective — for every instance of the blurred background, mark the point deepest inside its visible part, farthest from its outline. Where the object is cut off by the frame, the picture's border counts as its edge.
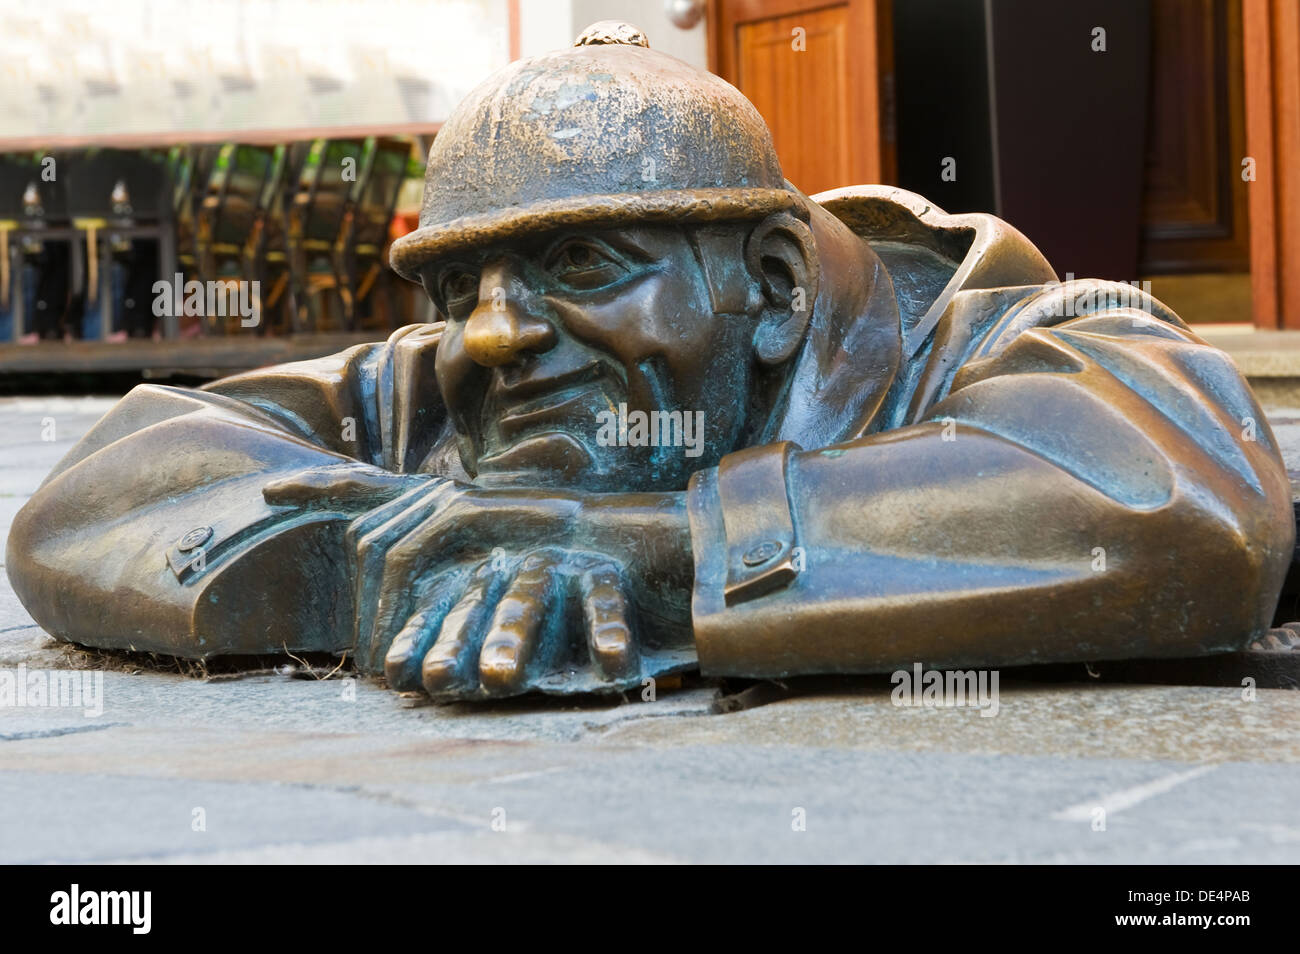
(283, 142)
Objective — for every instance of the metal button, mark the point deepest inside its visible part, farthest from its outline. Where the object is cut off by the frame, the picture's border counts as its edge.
(194, 538)
(761, 553)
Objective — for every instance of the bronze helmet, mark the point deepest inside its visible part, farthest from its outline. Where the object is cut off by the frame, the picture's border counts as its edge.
(606, 132)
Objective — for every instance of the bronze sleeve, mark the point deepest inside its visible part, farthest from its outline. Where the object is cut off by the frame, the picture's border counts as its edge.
(1104, 488)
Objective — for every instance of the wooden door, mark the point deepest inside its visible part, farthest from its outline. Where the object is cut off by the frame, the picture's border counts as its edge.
(1194, 199)
(1272, 64)
(820, 73)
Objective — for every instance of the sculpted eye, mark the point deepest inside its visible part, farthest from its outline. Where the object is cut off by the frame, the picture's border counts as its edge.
(459, 288)
(585, 264)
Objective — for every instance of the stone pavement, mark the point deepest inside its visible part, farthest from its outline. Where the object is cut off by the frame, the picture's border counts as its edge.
(277, 767)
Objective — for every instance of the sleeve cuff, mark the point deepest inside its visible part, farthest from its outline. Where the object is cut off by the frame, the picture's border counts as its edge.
(742, 536)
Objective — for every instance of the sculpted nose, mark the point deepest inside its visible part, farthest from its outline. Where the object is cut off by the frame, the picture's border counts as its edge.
(501, 333)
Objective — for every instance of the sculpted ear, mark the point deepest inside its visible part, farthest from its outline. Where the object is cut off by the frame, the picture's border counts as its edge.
(781, 255)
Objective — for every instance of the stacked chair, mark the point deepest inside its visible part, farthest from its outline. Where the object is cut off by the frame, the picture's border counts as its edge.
(308, 221)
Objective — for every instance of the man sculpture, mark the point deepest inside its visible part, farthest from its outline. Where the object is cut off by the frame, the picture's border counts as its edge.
(677, 414)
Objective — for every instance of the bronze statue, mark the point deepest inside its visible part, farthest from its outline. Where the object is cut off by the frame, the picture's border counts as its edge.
(678, 414)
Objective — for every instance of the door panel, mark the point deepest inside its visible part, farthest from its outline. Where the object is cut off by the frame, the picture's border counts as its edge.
(1194, 203)
(821, 76)
(1272, 64)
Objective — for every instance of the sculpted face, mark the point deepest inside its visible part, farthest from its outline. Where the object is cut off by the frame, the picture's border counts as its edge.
(569, 355)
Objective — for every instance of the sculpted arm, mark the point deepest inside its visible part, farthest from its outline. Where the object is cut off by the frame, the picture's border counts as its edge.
(1082, 489)
(156, 532)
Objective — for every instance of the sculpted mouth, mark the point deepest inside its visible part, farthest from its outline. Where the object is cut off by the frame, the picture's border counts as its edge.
(532, 391)
(547, 404)
(567, 404)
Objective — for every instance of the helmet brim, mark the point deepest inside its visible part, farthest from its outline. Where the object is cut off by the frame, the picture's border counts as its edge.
(412, 252)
